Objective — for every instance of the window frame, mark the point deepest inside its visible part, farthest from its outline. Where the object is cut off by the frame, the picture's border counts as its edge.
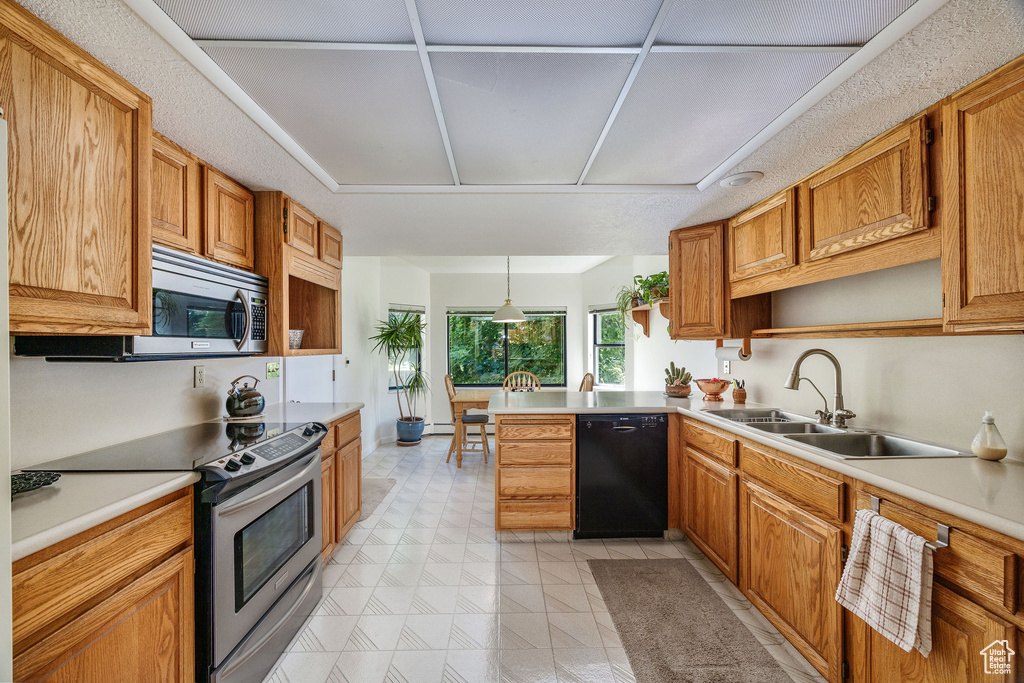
(505, 335)
(595, 316)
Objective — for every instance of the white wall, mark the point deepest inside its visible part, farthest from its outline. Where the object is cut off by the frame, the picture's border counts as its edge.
(357, 370)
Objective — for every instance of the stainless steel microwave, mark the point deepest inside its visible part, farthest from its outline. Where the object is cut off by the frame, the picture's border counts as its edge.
(200, 309)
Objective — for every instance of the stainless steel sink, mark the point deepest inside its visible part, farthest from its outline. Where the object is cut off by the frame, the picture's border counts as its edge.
(795, 428)
(873, 445)
(756, 416)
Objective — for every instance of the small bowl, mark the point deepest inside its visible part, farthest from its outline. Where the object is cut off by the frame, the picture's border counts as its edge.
(295, 339)
(677, 390)
(713, 388)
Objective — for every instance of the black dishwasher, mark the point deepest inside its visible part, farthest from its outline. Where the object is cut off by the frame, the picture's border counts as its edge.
(621, 476)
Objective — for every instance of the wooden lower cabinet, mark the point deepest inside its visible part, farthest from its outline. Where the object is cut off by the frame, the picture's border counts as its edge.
(328, 498)
(791, 567)
(535, 475)
(960, 631)
(349, 478)
(114, 603)
(341, 477)
(710, 510)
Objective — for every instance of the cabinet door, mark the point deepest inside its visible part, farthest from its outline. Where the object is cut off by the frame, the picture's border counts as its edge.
(961, 630)
(143, 632)
(328, 497)
(983, 181)
(330, 245)
(711, 510)
(876, 193)
(302, 228)
(791, 568)
(176, 200)
(762, 239)
(229, 219)
(80, 151)
(696, 282)
(349, 479)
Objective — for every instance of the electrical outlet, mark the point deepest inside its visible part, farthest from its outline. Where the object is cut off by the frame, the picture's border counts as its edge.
(726, 366)
(198, 376)
(273, 370)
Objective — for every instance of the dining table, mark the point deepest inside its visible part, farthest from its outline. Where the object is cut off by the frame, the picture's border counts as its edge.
(467, 399)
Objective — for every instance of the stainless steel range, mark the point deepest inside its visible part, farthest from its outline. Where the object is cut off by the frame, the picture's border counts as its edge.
(257, 533)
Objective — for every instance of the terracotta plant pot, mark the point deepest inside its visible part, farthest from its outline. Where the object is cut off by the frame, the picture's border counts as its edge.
(677, 390)
(713, 388)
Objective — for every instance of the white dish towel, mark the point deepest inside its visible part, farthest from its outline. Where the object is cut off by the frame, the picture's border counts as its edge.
(887, 581)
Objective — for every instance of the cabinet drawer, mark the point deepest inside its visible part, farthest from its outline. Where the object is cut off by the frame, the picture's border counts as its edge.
(329, 444)
(974, 565)
(535, 428)
(48, 594)
(346, 430)
(538, 453)
(804, 487)
(714, 443)
(535, 514)
(535, 482)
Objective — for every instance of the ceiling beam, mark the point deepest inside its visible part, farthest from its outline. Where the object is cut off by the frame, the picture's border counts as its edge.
(517, 189)
(659, 19)
(814, 49)
(307, 45)
(428, 73)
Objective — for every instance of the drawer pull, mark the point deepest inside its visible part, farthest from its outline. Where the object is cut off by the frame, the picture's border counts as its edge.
(942, 540)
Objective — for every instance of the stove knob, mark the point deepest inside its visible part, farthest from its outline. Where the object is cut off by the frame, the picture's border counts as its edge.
(315, 427)
(308, 431)
(232, 465)
(247, 459)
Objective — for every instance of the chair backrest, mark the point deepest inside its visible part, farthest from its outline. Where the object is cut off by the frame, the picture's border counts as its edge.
(521, 381)
(588, 382)
(450, 386)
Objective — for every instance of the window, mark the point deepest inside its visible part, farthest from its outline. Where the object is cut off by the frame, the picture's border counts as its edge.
(483, 353)
(414, 360)
(609, 348)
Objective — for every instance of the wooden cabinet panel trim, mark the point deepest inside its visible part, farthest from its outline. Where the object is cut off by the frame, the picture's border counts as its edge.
(539, 431)
(176, 196)
(697, 282)
(347, 430)
(535, 419)
(762, 239)
(349, 487)
(814, 492)
(534, 482)
(328, 505)
(330, 250)
(302, 227)
(558, 453)
(228, 224)
(549, 515)
(717, 444)
(711, 511)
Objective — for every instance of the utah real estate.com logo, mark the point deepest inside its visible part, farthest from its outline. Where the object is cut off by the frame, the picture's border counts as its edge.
(997, 657)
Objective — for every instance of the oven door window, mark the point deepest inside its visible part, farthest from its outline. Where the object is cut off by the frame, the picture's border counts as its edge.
(186, 315)
(269, 541)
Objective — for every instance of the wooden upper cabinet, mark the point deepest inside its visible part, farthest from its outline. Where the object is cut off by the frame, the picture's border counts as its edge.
(983, 182)
(696, 281)
(330, 245)
(303, 227)
(79, 185)
(176, 196)
(762, 239)
(229, 219)
(876, 193)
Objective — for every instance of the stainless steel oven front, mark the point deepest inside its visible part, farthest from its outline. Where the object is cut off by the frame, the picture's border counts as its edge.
(266, 543)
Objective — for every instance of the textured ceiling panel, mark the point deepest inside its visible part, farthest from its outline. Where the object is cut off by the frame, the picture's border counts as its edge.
(364, 116)
(687, 112)
(608, 23)
(526, 118)
(777, 22)
(380, 21)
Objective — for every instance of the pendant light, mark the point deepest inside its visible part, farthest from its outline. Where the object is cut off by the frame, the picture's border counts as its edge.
(508, 313)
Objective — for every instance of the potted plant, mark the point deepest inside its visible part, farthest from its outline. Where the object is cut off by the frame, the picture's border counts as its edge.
(627, 298)
(677, 381)
(652, 287)
(396, 338)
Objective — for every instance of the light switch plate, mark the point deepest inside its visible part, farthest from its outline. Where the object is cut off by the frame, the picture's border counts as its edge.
(273, 370)
(726, 366)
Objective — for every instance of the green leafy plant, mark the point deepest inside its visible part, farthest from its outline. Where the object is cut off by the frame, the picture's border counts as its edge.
(675, 377)
(627, 298)
(396, 338)
(652, 287)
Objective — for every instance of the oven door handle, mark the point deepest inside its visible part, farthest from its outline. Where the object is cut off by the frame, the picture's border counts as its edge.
(258, 645)
(232, 508)
(240, 295)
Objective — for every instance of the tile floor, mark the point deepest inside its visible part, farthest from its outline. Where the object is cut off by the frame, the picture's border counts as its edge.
(424, 591)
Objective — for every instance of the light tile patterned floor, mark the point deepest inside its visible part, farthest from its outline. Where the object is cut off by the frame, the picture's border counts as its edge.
(423, 591)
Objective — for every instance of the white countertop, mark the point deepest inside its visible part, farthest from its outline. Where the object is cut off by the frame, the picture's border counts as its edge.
(79, 501)
(990, 494)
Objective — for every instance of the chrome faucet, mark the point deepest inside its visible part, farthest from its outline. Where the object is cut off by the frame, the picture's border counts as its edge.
(840, 414)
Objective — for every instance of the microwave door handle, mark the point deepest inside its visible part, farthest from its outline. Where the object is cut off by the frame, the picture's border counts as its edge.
(243, 504)
(248, 320)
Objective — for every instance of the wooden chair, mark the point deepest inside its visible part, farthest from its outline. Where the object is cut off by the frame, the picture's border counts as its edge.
(481, 420)
(521, 381)
(588, 382)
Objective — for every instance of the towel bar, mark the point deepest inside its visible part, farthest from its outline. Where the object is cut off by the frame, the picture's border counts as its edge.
(942, 530)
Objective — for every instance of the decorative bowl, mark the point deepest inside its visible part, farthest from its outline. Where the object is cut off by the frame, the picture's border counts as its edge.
(677, 390)
(295, 339)
(713, 388)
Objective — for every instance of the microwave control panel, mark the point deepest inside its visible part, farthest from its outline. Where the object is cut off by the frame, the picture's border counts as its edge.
(259, 321)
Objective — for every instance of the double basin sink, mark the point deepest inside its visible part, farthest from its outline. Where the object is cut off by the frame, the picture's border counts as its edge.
(849, 443)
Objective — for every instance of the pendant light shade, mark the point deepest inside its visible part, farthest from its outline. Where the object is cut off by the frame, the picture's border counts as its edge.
(508, 313)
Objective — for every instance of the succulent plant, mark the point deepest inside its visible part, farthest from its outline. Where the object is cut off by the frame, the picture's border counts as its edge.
(676, 376)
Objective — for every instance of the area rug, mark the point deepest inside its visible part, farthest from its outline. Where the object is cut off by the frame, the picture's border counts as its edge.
(374, 491)
(674, 627)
